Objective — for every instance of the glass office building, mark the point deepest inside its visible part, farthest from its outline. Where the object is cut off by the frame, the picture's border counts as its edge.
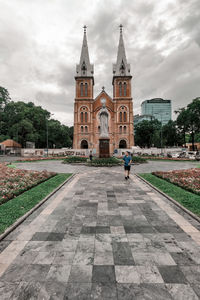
(159, 108)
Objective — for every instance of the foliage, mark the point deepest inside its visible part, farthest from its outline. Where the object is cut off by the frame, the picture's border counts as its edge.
(147, 133)
(188, 120)
(17, 207)
(111, 161)
(186, 198)
(74, 159)
(138, 159)
(187, 179)
(24, 122)
(14, 181)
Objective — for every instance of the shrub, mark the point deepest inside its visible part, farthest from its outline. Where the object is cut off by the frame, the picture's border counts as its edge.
(74, 159)
(111, 161)
(138, 159)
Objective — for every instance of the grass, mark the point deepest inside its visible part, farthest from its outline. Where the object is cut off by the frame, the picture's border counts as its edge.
(37, 160)
(104, 162)
(74, 159)
(176, 160)
(187, 199)
(17, 207)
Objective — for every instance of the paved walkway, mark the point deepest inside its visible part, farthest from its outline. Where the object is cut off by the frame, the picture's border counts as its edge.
(151, 166)
(102, 237)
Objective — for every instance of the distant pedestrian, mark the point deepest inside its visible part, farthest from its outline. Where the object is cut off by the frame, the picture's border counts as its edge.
(127, 164)
(90, 156)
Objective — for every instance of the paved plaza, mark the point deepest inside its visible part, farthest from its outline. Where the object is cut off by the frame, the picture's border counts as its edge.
(101, 237)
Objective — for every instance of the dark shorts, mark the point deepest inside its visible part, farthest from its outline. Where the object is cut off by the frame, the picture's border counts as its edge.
(127, 168)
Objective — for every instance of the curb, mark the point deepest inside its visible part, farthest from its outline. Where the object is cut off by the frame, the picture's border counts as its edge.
(171, 199)
(24, 217)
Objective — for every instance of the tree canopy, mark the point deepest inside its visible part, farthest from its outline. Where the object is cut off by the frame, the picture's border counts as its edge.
(26, 122)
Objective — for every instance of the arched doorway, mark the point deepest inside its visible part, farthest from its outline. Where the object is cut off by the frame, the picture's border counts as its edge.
(84, 144)
(122, 144)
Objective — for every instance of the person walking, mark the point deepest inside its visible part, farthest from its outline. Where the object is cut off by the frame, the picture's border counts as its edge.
(90, 156)
(127, 164)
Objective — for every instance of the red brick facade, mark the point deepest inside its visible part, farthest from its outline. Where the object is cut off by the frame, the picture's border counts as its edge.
(87, 108)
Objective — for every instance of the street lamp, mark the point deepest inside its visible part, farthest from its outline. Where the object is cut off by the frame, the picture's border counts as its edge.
(47, 134)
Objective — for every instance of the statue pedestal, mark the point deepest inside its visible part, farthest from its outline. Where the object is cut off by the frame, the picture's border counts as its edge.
(104, 147)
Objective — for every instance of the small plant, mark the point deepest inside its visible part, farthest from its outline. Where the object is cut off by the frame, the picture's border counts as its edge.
(111, 161)
(74, 159)
(138, 159)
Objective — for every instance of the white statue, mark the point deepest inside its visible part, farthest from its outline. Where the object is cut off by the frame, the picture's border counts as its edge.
(104, 122)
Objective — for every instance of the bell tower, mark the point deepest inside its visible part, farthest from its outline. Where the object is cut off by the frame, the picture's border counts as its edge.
(83, 106)
(122, 97)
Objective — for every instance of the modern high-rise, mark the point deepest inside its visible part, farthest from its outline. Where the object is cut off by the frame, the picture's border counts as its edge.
(159, 108)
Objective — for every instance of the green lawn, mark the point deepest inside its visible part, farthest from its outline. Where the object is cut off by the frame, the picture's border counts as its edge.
(187, 199)
(17, 207)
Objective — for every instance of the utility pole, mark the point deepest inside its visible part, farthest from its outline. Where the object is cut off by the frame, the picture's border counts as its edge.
(47, 136)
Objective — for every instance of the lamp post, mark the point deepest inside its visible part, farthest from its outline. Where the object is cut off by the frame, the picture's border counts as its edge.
(47, 135)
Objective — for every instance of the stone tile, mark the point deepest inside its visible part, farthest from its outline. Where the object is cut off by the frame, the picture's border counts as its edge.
(172, 274)
(127, 274)
(59, 273)
(122, 254)
(117, 230)
(44, 258)
(192, 273)
(103, 274)
(27, 290)
(83, 258)
(102, 229)
(103, 290)
(149, 274)
(25, 257)
(52, 290)
(81, 273)
(88, 230)
(14, 273)
(103, 258)
(85, 246)
(63, 258)
(181, 292)
(40, 236)
(155, 291)
(36, 273)
(77, 291)
(129, 291)
(7, 289)
(182, 258)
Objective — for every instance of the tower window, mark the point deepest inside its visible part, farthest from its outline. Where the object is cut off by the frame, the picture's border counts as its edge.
(124, 116)
(81, 129)
(84, 69)
(120, 89)
(120, 129)
(120, 116)
(81, 89)
(124, 129)
(81, 117)
(99, 129)
(125, 89)
(86, 89)
(86, 117)
(86, 129)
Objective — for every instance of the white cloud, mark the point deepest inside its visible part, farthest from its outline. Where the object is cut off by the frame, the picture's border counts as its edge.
(40, 44)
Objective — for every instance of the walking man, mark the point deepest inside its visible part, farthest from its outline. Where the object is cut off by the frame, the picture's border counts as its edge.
(127, 164)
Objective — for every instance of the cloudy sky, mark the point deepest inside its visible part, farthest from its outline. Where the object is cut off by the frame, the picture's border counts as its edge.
(40, 44)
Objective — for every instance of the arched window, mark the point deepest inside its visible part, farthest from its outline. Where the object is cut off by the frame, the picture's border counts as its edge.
(125, 89)
(120, 129)
(122, 144)
(124, 129)
(81, 129)
(81, 89)
(86, 117)
(124, 116)
(84, 144)
(99, 129)
(86, 89)
(81, 117)
(86, 129)
(120, 116)
(120, 89)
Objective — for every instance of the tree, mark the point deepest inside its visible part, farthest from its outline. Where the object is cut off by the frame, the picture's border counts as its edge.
(147, 133)
(170, 134)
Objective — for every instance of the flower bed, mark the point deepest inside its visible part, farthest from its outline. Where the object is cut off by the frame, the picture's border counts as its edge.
(75, 159)
(14, 181)
(103, 162)
(29, 159)
(167, 158)
(187, 179)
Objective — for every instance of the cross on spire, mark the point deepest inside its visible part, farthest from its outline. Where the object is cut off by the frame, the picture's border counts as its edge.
(103, 88)
(84, 27)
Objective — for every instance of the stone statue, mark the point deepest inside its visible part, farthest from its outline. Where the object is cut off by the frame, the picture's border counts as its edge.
(104, 122)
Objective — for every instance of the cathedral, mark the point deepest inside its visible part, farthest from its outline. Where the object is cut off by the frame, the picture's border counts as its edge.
(87, 107)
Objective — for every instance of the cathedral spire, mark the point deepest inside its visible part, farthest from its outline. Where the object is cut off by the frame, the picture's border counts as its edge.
(121, 68)
(84, 68)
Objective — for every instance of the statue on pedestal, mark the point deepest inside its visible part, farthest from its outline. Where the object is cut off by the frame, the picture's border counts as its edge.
(104, 121)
